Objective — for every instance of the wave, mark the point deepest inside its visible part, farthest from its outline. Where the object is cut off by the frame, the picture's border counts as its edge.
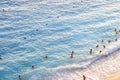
(96, 68)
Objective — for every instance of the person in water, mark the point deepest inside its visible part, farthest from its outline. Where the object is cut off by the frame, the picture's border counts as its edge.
(116, 39)
(33, 67)
(19, 77)
(73, 6)
(104, 46)
(46, 57)
(36, 29)
(5, 9)
(24, 37)
(102, 40)
(57, 16)
(91, 51)
(109, 41)
(71, 55)
(100, 51)
(97, 46)
(84, 77)
(0, 57)
(115, 30)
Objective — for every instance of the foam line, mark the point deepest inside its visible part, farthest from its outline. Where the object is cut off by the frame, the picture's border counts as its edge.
(76, 71)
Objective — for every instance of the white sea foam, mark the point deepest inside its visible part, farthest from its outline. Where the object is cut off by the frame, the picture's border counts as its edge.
(97, 68)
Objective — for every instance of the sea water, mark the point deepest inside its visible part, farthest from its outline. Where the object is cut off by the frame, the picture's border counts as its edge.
(32, 29)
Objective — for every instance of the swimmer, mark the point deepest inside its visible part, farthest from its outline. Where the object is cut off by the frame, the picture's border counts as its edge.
(115, 30)
(100, 51)
(103, 46)
(91, 51)
(97, 46)
(36, 29)
(109, 41)
(102, 40)
(57, 16)
(33, 67)
(46, 24)
(84, 77)
(73, 6)
(116, 39)
(5, 9)
(24, 37)
(71, 55)
(46, 57)
(19, 77)
(0, 57)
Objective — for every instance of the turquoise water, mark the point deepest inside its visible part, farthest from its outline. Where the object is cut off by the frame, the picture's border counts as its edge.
(31, 29)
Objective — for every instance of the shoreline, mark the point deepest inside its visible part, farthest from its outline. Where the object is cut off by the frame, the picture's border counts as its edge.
(100, 69)
(114, 76)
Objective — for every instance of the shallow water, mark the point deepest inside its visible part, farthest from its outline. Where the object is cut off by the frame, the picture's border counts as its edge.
(31, 29)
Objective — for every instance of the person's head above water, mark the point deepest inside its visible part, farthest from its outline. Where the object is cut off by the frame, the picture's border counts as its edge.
(33, 67)
(5, 9)
(46, 57)
(0, 57)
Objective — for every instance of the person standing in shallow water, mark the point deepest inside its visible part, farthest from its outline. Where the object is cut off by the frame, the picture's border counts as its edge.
(71, 56)
(100, 51)
(109, 41)
(91, 51)
(97, 46)
(104, 46)
(84, 77)
(102, 41)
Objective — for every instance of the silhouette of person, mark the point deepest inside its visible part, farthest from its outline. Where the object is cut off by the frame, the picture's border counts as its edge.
(71, 56)
(97, 46)
(102, 40)
(91, 51)
(57, 16)
(116, 39)
(5, 9)
(104, 46)
(109, 41)
(19, 77)
(24, 37)
(0, 57)
(36, 29)
(73, 6)
(116, 32)
(33, 67)
(46, 57)
(115, 29)
(100, 51)
(46, 24)
(84, 77)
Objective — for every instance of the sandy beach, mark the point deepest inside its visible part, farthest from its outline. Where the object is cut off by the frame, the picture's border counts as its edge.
(115, 76)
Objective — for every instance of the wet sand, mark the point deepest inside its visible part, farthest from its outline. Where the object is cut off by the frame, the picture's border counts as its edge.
(115, 76)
